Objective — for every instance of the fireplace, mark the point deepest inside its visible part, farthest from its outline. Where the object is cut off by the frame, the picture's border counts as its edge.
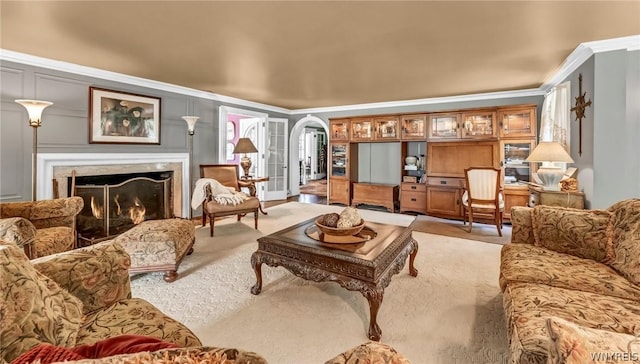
(55, 169)
(114, 203)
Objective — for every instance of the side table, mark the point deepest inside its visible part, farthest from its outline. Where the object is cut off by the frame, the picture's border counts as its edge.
(538, 196)
(250, 184)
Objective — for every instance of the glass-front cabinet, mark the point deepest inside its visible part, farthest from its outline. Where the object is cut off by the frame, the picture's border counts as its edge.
(514, 154)
(339, 159)
(387, 128)
(444, 126)
(339, 129)
(479, 124)
(517, 122)
(362, 130)
(413, 127)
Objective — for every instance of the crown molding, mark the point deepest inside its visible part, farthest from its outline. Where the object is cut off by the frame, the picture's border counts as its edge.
(418, 102)
(580, 55)
(17, 57)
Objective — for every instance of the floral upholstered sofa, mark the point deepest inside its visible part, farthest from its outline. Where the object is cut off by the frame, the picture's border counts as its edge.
(571, 283)
(41, 227)
(59, 306)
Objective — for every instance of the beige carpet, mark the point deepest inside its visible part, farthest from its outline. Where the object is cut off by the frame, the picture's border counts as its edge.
(480, 232)
(450, 313)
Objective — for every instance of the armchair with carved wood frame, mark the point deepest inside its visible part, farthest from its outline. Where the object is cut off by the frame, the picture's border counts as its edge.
(483, 196)
(227, 175)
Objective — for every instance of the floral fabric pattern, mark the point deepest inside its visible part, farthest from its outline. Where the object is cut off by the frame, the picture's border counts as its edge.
(53, 220)
(528, 263)
(574, 344)
(583, 233)
(370, 352)
(98, 275)
(522, 227)
(18, 230)
(34, 309)
(626, 231)
(158, 242)
(192, 355)
(528, 306)
(134, 316)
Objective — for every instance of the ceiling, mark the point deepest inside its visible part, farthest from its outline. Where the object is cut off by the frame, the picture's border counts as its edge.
(308, 54)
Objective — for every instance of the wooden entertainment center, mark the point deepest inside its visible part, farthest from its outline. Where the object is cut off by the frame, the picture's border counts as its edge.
(500, 137)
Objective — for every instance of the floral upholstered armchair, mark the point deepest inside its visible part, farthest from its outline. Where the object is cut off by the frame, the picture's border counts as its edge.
(82, 298)
(41, 227)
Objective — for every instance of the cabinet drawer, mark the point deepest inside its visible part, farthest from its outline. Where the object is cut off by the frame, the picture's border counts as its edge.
(417, 187)
(413, 201)
(446, 182)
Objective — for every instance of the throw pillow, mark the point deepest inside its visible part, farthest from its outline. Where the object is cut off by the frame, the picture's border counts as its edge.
(124, 344)
(626, 238)
(582, 233)
(34, 308)
(574, 344)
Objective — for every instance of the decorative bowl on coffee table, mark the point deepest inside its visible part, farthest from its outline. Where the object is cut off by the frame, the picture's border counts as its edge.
(336, 231)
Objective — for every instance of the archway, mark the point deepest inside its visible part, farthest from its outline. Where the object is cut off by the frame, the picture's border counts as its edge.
(294, 145)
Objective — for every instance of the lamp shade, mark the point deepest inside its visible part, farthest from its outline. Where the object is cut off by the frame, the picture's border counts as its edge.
(191, 122)
(244, 145)
(34, 108)
(549, 152)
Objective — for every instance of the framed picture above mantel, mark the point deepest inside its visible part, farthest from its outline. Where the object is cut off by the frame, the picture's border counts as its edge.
(123, 118)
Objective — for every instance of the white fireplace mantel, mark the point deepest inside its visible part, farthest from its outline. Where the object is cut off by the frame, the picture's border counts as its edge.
(47, 162)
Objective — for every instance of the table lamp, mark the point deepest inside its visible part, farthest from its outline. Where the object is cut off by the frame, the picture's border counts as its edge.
(245, 145)
(550, 152)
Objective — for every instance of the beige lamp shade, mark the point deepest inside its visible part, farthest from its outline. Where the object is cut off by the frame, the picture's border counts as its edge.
(549, 152)
(245, 145)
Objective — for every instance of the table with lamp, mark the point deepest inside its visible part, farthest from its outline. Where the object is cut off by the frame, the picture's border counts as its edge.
(549, 192)
(244, 146)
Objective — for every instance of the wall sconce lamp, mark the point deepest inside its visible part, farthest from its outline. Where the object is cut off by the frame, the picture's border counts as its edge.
(34, 108)
(245, 145)
(551, 152)
(191, 129)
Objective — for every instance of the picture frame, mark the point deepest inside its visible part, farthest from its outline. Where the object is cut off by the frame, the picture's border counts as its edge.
(117, 117)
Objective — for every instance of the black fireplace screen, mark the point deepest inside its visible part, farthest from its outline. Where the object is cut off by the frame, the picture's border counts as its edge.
(115, 203)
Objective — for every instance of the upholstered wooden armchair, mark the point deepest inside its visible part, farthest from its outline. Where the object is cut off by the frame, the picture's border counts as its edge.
(215, 206)
(42, 227)
(483, 195)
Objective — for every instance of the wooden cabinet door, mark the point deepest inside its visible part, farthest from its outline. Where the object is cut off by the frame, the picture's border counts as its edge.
(413, 127)
(339, 191)
(514, 196)
(444, 201)
(518, 122)
(339, 130)
(387, 128)
(362, 130)
(444, 126)
(478, 125)
(513, 155)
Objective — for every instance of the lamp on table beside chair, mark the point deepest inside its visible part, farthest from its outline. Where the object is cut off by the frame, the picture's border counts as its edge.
(245, 145)
(550, 152)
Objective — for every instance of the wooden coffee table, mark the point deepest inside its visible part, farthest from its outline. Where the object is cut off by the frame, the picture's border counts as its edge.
(366, 266)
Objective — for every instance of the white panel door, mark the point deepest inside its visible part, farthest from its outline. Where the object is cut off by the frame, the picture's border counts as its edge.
(275, 159)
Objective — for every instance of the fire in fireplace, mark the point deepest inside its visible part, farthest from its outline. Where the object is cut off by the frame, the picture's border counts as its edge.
(115, 203)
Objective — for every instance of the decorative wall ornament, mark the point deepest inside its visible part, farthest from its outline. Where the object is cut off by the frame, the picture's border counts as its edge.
(581, 105)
